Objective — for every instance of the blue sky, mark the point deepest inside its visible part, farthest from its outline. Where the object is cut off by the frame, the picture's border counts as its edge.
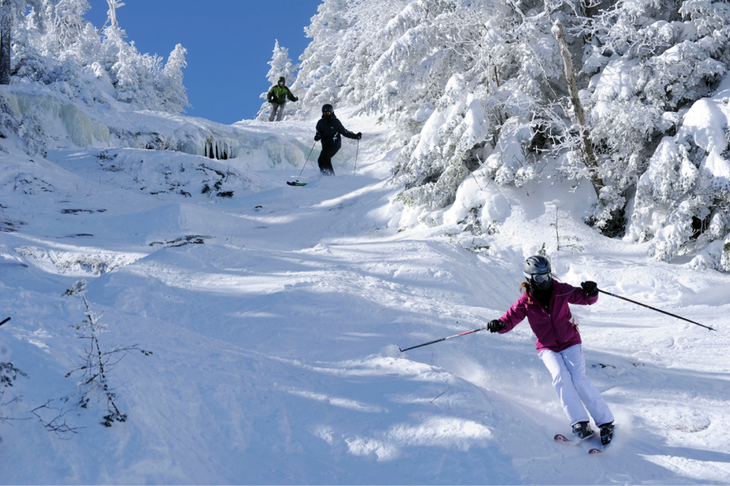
(229, 43)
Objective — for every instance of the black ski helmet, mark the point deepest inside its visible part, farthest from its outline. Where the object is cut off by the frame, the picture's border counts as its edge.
(538, 271)
(328, 107)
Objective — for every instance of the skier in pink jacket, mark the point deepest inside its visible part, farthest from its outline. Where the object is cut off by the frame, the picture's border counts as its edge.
(544, 303)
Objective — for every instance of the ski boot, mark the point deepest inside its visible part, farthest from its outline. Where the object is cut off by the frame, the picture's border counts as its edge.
(582, 430)
(606, 433)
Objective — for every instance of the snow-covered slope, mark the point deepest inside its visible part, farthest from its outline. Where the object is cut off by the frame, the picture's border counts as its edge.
(271, 318)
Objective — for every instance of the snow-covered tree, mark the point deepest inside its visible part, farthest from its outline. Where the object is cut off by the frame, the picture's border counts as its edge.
(660, 67)
(66, 28)
(281, 64)
(507, 63)
(316, 78)
(55, 45)
(398, 58)
(112, 12)
(487, 85)
(170, 86)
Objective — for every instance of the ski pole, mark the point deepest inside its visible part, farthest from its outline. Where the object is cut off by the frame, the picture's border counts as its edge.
(655, 309)
(6, 320)
(305, 162)
(443, 339)
(357, 150)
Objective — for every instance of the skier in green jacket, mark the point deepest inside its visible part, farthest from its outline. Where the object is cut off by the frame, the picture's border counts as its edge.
(277, 96)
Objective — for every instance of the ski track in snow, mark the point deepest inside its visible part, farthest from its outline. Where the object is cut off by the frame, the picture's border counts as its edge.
(274, 318)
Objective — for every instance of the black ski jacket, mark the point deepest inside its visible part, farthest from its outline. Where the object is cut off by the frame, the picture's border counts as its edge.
(329, 132)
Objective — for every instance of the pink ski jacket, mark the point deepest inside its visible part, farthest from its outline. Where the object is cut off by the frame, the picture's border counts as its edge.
(552, 325)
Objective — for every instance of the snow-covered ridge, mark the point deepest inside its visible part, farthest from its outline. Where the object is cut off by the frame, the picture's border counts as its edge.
(66, 118)
(66, 125)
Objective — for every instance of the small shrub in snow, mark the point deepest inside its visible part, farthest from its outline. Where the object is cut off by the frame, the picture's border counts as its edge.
(562, 242)
(8, 374)
(98, 362)
(53, 418)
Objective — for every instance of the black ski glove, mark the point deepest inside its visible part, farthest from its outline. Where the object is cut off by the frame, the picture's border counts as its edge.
(359, 135)
(590, 289)
(317, 137)
(496, 325)
(295, 99)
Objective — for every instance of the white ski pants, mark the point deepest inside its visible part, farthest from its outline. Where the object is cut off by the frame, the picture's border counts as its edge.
(574, 389)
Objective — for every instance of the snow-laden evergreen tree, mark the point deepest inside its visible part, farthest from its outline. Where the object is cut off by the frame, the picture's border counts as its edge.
(654, 52)
(141, 79)
(452, 75)
(280, 65)
(666, 66)
(66, 27)
(28, 62)
(484, 85)
(399, 58)
(170, 89)
(55, 45)
(316, 77)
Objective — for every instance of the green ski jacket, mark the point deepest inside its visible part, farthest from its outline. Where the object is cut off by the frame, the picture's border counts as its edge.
(278, 94)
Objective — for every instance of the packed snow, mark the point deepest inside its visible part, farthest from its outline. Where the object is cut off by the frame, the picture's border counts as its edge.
(262, 322)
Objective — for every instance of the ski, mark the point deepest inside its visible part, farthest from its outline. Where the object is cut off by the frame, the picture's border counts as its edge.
(296, 183)
(564, 440)
(6, 320)
(561, 438)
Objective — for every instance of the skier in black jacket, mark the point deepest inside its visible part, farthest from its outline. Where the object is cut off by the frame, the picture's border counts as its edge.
(329, 129)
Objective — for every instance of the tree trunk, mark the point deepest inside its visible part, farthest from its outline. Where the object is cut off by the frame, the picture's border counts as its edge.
(589, 157)
(6, 26)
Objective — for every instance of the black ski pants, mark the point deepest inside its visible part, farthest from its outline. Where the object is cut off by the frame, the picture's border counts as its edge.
(325, 159)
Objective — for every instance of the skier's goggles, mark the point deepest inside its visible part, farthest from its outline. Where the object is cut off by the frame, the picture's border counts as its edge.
(326, 112)
(542, 278)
